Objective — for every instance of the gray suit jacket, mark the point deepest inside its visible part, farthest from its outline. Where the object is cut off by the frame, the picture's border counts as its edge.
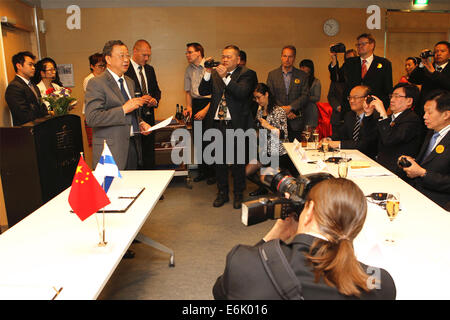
(298, 94)
(104, 114)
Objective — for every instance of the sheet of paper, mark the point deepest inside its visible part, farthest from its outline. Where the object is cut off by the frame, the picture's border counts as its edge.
(160, 125)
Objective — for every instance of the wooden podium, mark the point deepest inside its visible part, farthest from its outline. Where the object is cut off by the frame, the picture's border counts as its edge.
(37, 162)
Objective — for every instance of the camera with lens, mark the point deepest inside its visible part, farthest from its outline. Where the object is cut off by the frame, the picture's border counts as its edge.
(277, 206)
(426, 54)
(338, 48)
(211, 63)
(404, 163)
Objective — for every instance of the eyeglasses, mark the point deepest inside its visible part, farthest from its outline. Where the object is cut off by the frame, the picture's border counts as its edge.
(349, 98)
(100, 65)
(396, 96)
(123, 56)
(361, 44)
(50, 70)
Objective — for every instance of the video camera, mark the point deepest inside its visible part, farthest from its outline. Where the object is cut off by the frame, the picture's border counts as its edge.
(211, 63)
(277, 206)
(427, 54)
(338, 48)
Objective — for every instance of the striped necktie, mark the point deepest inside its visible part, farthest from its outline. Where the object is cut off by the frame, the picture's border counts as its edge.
(356, 128)
(363, 69)
(143, 83)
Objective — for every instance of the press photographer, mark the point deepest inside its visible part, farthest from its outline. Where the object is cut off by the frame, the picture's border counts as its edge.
(433, 73)
(319, 263)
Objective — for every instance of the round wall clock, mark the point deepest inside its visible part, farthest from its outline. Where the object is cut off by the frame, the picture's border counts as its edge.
(331, 27)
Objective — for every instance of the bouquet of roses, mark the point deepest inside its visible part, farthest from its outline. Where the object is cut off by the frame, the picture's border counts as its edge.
(60, 100)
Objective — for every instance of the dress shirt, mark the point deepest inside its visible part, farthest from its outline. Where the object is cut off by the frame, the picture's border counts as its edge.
(116, 78)
(287, 76)
(442, 133)
(192, 78)
(368, 62)
(442, 66)
(138, 74)
(226, 80)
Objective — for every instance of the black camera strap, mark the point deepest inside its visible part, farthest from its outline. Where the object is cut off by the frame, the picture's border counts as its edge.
(280, 272)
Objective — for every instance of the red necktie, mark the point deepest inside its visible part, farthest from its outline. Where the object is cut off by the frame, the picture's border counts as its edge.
(363, 69)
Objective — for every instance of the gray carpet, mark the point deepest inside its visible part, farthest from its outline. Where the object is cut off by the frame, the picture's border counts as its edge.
(200, 235)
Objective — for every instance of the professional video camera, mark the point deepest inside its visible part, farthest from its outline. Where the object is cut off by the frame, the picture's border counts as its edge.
(211, 63)
(277, 206)
(426, 54)
(338, 48)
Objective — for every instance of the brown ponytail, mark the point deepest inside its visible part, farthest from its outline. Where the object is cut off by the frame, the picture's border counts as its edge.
(340, 210)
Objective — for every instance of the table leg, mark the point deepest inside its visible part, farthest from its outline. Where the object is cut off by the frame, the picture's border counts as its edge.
(152, 243)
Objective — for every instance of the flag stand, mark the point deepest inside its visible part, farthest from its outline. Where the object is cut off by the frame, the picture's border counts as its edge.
(102, 242)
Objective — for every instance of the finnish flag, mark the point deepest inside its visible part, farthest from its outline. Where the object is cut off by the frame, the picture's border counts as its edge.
(106, 169)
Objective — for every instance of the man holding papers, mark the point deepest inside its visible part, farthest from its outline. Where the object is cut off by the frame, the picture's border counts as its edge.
(111, 110)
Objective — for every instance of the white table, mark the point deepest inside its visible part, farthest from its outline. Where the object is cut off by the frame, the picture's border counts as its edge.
(419, 259)
(54, 248)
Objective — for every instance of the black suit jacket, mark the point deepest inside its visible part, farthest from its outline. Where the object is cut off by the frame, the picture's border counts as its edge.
(436, 183)
(23, 103)
(429, 81)
(245, 278)
(402, 137)
(147, 113)
(367, 142)
(238, 94)
(378, 77)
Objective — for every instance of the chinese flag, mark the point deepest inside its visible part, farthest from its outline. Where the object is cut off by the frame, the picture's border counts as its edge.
(86, 196)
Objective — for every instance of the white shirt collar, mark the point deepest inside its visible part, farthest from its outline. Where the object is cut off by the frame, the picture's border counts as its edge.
(135, 64)
(317, 235)
(368, 60)
(442, 65)
(444, 130)
(26, 81)
(115, 76)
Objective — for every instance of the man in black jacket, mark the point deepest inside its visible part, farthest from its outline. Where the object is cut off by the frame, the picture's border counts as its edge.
(432, 75)
(231, 88)
(401, 132)
(146, 84)
(368, 69)
(22, 96)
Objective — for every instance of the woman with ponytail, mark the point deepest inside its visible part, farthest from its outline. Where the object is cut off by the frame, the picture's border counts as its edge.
(320, 254)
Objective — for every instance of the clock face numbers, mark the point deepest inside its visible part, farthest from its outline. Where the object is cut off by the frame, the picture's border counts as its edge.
(331, 27)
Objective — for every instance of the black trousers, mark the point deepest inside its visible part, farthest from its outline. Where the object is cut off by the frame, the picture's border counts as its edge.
(197, 105)
(134, 160)
(237, 170)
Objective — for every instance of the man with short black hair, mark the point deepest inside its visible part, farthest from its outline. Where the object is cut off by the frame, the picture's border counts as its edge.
(22, 96)
(430, 171)
(401, 132)
(231, 88)
(433, 73)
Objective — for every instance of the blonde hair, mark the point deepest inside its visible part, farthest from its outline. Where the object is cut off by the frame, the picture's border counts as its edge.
(340, 211)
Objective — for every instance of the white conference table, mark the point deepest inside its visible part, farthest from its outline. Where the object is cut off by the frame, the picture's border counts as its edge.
(419, 260)
(52, 248)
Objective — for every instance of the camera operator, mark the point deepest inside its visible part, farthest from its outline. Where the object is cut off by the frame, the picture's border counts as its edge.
(430, 171)
(321, 253)
(401, 132)
(433, 72)
(336, 91)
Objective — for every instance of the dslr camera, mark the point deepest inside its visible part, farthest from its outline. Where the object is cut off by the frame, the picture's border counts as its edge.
(426, 54)
(277, 206)
(338, 48)
(211, 63)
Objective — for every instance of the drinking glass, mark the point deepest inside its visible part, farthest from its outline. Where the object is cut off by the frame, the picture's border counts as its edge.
(342, 168)
(392, 209)
(316, 139)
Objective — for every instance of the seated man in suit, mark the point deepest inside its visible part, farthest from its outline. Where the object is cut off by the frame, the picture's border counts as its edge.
(359, 128)
(400, 133)
(430, 171)
(289, 85)
(368, 69)
(433, 73)
(22, 96)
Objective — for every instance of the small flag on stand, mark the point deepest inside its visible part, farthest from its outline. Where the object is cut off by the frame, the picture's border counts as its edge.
(86, 195)
(106, 169)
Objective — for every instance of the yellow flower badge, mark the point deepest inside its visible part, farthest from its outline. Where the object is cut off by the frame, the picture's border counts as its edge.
(379, 66)
(440, 148)
(297, 81)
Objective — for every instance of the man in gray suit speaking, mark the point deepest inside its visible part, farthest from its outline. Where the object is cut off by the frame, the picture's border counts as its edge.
(289, 85)
(113, 112)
